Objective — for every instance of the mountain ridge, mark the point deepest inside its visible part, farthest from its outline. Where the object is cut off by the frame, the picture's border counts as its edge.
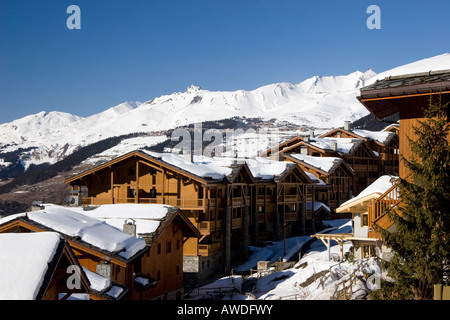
(316, 102)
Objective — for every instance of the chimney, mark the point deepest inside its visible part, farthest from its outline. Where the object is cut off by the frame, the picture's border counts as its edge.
(333, 145)
(130, 227)
(304, 151)
(347, 125)
(311, 134)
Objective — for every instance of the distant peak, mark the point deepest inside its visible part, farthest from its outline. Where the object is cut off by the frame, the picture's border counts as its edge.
(192, 88)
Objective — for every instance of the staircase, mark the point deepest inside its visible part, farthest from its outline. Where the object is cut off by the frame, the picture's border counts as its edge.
(388, 200)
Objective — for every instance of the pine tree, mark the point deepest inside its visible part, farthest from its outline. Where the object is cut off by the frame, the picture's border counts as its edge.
(421, 241)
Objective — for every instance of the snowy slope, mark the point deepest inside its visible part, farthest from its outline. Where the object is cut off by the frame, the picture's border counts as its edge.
(320, 102)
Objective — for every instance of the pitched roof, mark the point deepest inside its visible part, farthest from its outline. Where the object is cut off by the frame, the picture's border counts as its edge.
(326, 165)
(150, 219)
(373, 191)
(17, 253)
(82, 229)
(380, 97)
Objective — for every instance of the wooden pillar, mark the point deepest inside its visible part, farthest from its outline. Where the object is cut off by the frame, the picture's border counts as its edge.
(136, 197)
(227, 240)
(112, 185)
(245, 231)
(302, 215)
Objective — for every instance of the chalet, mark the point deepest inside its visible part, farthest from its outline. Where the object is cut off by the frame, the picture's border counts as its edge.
(355, 151)
(230, 201)
(366, 241)
(35, 266)
(135, 267)
(332, 170)
(165, 230)
(405, 95)
(214, 197)
(281, 192)
(384, 143)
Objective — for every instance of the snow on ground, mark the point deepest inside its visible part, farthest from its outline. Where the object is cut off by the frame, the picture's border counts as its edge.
(314, 277)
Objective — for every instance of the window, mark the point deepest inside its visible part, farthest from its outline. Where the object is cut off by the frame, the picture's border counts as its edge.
(169, 247)
(368, 251)
(158, 248)
(178, 269)
(364, 220)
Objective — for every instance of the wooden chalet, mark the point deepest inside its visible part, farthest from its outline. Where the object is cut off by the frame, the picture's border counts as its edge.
(215, 198)
(333, 171)
(366, 241)
(384, 143)
(355, 151)
(279, 201)
(229, 203)
(30, 269)
(405, 95)
(148, 267)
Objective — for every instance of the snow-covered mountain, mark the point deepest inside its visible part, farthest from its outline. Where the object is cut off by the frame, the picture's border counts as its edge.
(320, 102)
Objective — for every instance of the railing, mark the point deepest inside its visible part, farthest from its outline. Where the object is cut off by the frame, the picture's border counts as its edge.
(209, 249)
(388, 200)
(289, 198)
(209, 226)
(291, 216)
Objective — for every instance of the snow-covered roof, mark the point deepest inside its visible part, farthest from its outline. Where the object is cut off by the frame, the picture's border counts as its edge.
(87, 229)
(326, 164)
(379, 186)
(319, 182)
(24, 261)
(219, 168)
(379, 136)
(200, 167)
(317, 206)
(343, 145)
(147, 217)
(260, 167)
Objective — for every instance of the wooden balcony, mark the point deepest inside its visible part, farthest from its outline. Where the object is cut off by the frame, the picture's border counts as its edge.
(187, 204)
(388, 200)
(289, 198)
(291, 216)
(261, 199)
(206, 227)
(239, 201)
(209, 249)
(236, 223)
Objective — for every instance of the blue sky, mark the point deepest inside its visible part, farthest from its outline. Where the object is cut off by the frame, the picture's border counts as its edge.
(136, 50)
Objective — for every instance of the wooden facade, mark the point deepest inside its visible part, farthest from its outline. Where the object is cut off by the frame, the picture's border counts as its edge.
(54, 283)
(230, 210)
(406, 95)
(360, 157)
(388, 150)
(340, 179)
(159, 265)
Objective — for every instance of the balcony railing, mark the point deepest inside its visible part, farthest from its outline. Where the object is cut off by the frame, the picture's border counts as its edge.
(206, 227)
(388, 200)
(209, 249)
(181, 203)
(289, 198)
